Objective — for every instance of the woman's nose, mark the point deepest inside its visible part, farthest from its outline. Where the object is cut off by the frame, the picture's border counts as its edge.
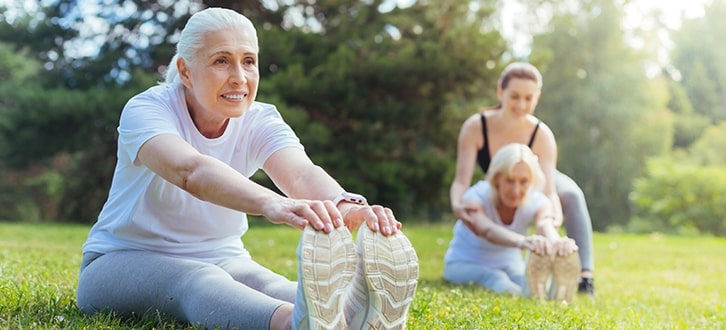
(518, 188)
(521, 104)
(237, 75)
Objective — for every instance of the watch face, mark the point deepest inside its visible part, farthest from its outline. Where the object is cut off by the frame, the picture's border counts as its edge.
(355, 198)
(350, 198)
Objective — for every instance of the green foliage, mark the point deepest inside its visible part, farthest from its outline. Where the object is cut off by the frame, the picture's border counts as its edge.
(93, 159)
(674, 196)
(39, 125)
(597, 99)
(708, 150)
(15, 66)
(377, 97)
(698, 56)
(688, 124)
(383, 95)
(670, 283)
(17, 72)
(684, 192)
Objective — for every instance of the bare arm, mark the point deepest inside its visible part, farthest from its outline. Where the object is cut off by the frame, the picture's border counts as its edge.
(204, 177)
(545, 226)
(545, 147)
(470, 140)
(484, 227)
(298, 177)
(544, 222)
(211, 180)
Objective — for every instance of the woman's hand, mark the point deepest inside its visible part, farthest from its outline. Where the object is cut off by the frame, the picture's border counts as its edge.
(563, 246)
(465, 210)
(536, 244)
(376, 217)
(298, 213)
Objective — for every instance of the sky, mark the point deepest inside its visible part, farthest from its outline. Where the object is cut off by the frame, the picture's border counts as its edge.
(519, 33)
(672, 9)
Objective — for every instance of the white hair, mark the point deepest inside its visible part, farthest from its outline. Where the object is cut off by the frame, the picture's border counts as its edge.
(192, 36)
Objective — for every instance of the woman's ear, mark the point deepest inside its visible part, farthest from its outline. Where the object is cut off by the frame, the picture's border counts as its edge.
(184, 73)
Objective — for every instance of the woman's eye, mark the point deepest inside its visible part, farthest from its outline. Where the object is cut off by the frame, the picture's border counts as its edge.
(220, 61)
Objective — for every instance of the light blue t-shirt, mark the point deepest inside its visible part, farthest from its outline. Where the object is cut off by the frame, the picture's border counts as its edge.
(467, 247)
(144, 211)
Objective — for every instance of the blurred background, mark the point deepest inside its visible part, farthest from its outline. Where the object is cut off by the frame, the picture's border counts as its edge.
(635, 92)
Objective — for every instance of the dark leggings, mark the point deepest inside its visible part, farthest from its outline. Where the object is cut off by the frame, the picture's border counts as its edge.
(577, 218)
(233, 293)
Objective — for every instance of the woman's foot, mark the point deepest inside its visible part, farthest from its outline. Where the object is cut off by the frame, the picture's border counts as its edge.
(326, 265)
(384, 283)
(586, 286)
(538, 270)
(565, 274)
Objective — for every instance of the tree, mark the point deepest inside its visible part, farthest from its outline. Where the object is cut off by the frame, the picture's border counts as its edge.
(376, 95)
(708, 149)
(387, 89)
(688, 124)
(17, 72)
(679, 196)
(606, 114)
(698, 57)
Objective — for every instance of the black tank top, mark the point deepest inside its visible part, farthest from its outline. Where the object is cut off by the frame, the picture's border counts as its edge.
(483, 156)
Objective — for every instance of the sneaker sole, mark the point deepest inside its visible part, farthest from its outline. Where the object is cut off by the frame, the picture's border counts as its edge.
(391, 268)
(565, 275)
(328, 264)
(538, 270)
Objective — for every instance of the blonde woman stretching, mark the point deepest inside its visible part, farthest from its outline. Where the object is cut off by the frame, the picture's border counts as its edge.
(486, 248)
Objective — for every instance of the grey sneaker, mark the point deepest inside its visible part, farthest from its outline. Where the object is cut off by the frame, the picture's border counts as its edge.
(326, 264)
(538, 271)
(565, 275)
(385, 281)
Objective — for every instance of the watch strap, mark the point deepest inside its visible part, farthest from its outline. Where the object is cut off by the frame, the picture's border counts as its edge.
(350, 198)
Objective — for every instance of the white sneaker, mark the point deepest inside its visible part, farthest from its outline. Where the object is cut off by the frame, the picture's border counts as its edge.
(538, 271)
(565, 276)
(384, 283)
(326, 263)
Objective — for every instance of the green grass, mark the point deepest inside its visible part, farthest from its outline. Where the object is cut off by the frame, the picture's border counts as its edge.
(643, 282)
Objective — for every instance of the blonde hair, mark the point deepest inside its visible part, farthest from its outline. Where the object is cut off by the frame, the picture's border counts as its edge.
(192, 36)
(506, 158)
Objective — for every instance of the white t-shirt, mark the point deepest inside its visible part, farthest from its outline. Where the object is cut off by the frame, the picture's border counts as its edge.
(467, 247)
(146, 212)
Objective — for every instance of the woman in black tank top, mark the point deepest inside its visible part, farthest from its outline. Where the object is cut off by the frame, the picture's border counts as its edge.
(484, 155)
(513, 121)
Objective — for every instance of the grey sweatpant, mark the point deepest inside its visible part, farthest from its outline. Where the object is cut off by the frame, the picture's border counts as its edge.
(577, 218)
(237, 292)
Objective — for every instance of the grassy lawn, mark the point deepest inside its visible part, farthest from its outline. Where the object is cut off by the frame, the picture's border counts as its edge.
(642, 282)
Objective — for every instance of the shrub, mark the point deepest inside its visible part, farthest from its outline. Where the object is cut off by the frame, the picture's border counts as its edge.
(676, 197)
